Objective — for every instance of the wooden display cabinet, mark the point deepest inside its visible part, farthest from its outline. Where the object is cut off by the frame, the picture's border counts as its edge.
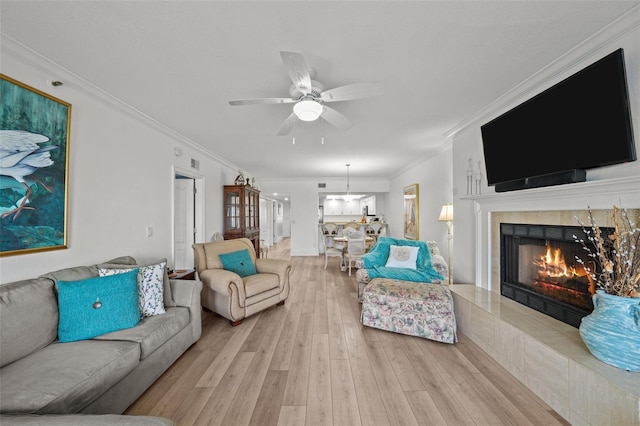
(242, 214)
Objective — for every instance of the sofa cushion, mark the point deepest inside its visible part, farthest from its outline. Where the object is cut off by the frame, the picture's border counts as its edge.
(98, 305)
(72, 274)
(153, 331)
(124, 263)
(212, 251)
(29, 318)
(150, 286)
(239, 262)
(259, 283)
(65, 377)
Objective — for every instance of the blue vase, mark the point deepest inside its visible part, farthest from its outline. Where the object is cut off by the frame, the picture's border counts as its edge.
(612, 331)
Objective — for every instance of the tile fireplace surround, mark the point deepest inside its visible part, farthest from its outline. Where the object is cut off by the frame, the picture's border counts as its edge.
(545, 354)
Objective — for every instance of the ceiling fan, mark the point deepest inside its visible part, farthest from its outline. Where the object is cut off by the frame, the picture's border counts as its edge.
(309, 97)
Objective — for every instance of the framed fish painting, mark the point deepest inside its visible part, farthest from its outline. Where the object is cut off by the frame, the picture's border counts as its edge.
(34, 169)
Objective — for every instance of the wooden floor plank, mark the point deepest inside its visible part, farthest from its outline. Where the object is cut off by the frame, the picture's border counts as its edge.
(298, 378)
(223, 396)
(370, 402)
(284, 350)
(343, 394)
(267, 411)
(319, 403)
(398, 408)
(211, 378)
(292, 415)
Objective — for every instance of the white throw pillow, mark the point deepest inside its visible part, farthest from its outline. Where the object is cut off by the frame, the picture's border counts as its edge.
(402, 257)
(150, 286)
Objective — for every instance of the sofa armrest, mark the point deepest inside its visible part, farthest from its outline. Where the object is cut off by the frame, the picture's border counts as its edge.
(280, 267)
(440, 265)
(187, 293)
(224, 282)
(273, 266)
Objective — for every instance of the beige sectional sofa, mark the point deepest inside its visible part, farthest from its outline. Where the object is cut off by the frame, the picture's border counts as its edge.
(102, 375)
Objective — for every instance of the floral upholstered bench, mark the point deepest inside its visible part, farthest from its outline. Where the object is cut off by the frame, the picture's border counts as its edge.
(412, 308)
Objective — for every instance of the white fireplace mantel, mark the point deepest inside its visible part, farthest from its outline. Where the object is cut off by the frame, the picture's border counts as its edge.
(596, 195)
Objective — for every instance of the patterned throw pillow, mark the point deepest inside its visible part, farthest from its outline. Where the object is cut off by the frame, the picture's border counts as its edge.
(150, 286)
(402, 257)
(239, 262)
(94, 306)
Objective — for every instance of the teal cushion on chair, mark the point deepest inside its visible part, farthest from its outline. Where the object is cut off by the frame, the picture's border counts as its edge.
(239, 262)
(94, 306)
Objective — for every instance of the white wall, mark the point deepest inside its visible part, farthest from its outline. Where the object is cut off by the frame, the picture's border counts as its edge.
(433, 176)
(467, 140)
(121, 176)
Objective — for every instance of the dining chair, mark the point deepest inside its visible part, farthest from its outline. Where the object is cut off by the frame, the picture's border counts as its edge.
(356, 247)
(352, 225)
(331, 251)
(330, 228)
(373, 230)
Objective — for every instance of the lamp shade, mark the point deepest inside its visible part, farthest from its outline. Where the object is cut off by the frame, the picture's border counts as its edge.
(307, 110)
(446, 214)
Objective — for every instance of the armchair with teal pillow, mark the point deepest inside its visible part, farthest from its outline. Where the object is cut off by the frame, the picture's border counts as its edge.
(430, 266)
(235, 283)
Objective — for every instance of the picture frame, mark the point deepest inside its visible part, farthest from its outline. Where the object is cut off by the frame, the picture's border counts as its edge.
(411, 214)
(34, 189)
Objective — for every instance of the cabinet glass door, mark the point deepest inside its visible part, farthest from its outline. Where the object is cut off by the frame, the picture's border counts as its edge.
(233, 211)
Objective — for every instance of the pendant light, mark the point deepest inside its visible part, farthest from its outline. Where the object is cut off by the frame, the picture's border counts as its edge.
(348, 196)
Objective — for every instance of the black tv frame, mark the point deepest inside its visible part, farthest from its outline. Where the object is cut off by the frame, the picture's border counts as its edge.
(515, 132)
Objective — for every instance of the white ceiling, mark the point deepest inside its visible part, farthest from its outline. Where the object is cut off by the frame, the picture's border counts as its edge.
(180, 62)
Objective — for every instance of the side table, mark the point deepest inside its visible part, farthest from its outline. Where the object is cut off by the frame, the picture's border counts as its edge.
(183, 274)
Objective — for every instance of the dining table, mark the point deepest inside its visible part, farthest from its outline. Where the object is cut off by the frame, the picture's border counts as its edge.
(368, 241)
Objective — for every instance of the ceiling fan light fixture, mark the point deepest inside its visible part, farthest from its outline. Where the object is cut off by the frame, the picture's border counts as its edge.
(307, 110)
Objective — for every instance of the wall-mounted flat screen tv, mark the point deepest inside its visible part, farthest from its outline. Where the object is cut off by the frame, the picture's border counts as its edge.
(580, 123)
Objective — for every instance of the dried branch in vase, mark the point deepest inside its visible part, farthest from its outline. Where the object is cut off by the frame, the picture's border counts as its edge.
(616, 257)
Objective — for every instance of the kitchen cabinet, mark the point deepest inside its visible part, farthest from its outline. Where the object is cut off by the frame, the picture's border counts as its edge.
(341, 207)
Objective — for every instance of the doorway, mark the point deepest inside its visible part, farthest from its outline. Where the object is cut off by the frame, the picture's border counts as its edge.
(188, 226)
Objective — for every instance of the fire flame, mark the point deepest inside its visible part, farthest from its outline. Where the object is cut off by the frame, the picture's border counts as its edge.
(553, 265)
(553, 268)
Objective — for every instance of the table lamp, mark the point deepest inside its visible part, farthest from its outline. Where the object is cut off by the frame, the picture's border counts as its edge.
(446, 215)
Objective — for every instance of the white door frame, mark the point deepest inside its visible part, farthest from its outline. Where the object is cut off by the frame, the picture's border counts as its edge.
(199, 235)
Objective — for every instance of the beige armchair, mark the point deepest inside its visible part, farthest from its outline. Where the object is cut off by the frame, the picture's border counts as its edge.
(231, 296)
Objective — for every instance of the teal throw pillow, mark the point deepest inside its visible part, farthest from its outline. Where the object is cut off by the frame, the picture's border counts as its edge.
(239, 262)
(96, 306)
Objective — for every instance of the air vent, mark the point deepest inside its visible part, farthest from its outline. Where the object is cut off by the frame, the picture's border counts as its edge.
(195, 164)
(322, 185)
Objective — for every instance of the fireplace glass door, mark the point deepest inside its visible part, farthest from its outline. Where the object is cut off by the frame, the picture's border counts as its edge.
(539, 268)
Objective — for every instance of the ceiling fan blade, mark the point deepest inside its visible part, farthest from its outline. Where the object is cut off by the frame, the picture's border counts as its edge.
(352, 91)
(334, 117)
(257, 101)
(298, 71)
(287, 125)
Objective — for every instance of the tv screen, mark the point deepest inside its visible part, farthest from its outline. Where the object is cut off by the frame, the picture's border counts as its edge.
(580, 123)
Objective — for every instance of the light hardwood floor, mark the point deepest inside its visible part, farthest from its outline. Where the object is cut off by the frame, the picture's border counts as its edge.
(311, 362)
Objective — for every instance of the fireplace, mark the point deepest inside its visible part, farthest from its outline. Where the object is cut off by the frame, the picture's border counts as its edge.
(538, 268)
